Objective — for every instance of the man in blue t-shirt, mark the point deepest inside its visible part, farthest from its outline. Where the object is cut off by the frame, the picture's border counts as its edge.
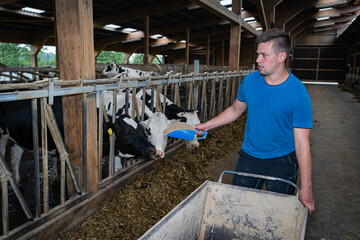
(279, 119)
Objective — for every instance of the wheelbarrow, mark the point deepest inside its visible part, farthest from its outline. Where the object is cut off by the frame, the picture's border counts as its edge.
(221, 211)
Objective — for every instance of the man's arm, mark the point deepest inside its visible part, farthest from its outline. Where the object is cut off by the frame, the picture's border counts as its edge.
(302, 148)
(227, 116)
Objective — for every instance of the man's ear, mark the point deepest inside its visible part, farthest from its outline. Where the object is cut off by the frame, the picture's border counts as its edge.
(282, 57)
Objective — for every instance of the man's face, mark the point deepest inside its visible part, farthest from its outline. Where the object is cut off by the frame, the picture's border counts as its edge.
(268, 61)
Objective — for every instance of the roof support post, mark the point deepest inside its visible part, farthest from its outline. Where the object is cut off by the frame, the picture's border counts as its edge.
(235, 38)
(75, 45)
(146, 40)
(208, 50)
(187, 48)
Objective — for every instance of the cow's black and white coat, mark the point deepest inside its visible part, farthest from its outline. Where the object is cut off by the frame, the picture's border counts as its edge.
(15, 124)
(112, 69)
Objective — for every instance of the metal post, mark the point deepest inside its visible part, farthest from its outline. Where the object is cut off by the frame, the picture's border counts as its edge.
(100, 130)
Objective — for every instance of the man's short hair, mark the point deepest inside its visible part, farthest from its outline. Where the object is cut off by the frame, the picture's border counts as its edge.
(281, 40)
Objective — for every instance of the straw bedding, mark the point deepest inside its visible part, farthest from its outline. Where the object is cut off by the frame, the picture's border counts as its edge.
(143, 202)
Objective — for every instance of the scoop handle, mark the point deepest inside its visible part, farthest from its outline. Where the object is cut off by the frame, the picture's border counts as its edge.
(203, 136)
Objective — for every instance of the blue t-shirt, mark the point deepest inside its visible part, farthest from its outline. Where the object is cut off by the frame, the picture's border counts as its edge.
(273, 111)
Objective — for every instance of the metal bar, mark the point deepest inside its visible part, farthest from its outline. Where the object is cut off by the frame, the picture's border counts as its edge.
(260, 176)
(220, 96)
(100, 131)
(143, 104)
(84, 143)
(111, 137)
(34, 113)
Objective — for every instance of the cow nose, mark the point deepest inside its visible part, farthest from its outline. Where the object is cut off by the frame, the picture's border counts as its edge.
(194, 146)
(159, 154)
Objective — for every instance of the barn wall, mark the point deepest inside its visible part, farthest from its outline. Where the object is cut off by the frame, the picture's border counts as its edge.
(319, 63)
(324, 38)
(247, 53)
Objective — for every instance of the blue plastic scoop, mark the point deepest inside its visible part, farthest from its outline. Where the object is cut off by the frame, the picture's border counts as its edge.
(182, 131)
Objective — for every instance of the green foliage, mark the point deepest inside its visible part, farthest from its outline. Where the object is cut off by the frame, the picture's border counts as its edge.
(136, 58)
(16, 55)
(111, 56)
(46, 59)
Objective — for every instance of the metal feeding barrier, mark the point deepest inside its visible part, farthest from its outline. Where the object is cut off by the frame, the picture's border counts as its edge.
(217, 88)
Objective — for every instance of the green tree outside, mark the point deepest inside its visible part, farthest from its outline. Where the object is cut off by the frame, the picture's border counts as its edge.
(16, 55)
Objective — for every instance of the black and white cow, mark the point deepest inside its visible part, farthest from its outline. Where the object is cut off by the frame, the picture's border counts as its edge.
(173, 112)
(112, 69)
(131, 140)
(155, 127)
(16, 124)
(120, 104)
(48, 74)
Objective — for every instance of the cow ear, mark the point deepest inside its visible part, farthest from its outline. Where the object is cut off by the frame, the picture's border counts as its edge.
(144, 123)
(109, 127)
(173, 121)
(198, 110)
(112, 65)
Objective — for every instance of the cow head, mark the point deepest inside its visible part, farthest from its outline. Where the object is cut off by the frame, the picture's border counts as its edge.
(130, 137)
(111, 70)
(191, 117)
(155, 127)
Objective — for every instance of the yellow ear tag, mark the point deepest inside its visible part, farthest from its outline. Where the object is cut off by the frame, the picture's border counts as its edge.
(110, 131)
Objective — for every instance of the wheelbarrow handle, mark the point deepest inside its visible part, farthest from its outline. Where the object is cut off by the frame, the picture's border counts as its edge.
(259, 176)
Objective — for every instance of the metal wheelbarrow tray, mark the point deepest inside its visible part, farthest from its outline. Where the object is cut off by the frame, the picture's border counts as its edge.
(221, 211)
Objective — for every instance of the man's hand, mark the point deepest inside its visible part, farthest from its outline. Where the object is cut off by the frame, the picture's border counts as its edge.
(199, 128)
(307, 199)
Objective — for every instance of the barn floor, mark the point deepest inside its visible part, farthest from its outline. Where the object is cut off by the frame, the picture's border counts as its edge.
(335, 142)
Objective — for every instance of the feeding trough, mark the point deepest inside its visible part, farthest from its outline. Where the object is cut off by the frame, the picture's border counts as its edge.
(221, 211)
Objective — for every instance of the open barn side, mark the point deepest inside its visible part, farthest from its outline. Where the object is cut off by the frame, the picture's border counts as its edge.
(212, 92)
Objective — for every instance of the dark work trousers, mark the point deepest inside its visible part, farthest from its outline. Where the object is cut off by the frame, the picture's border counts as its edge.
(284, 167)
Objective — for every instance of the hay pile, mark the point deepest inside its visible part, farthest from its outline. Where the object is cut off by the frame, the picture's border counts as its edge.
(143, 202)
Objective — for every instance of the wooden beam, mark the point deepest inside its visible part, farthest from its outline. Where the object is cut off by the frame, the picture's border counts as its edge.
(146, 39)
(332, 27)
(336, 11)
(285, 12)
(126, 16)
(219, 10)
(235, 39)
(76, 60)
(299, 19)
(262, 14)
(15, 36)
(102, 43)
(332, 21)
(187, 48)
(208, 50)
(25, 13)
